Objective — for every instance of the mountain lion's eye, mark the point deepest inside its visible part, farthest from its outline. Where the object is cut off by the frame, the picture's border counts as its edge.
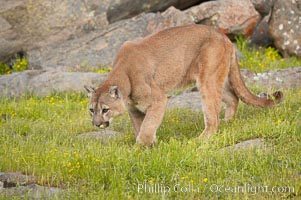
(105, 110)
(91, 110)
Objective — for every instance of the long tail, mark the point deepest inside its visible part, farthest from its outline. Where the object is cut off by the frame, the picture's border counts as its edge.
(245, 94)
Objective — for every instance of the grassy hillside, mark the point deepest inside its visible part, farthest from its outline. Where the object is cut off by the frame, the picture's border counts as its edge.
(38, 137)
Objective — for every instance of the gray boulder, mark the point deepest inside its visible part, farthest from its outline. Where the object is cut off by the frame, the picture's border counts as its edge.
(42, 82)
(282, 78)
(17, 185)
(260, 36)
(257, 143)
(13, 179)
(99, 47)
(285, 27)
(122, 9)
(26, 25)
(32, 191)
(230, 16)
(190, 100)
(263, 6)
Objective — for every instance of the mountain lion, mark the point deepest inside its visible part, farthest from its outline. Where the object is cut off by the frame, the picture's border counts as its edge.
(146, 69)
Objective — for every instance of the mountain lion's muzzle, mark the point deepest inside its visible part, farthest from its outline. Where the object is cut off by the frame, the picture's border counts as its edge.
(102, 124)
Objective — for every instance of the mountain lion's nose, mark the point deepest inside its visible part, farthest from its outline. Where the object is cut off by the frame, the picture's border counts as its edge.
(98, 124)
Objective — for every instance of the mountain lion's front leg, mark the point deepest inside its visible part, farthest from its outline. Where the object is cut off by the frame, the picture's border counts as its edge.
(137, 118)
(152, 120)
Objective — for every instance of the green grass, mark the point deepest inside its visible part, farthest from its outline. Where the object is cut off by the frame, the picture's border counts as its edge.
(38, 137)
(263, 59)
(86, 67)
(20, 64)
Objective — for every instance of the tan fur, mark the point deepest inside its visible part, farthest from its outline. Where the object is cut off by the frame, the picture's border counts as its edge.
(146, 69)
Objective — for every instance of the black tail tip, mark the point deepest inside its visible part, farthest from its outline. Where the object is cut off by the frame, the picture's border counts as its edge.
(278, 95)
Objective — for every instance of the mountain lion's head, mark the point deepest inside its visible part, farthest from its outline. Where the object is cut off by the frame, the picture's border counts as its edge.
(104, 105)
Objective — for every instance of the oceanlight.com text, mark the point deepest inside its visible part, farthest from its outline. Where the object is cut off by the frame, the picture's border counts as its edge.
(251, 189)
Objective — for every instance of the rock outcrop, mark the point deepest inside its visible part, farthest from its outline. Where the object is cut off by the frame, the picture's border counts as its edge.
(263, 6)
(230, 16)
(44, 82)
(99, 47)
(17, 185)
(285, 27)
(123, 9)
(26, 25)
(260, 36)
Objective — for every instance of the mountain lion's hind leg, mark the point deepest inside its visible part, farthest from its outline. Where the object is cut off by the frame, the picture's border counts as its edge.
(231, 100)
(213, 70)
(211, 103)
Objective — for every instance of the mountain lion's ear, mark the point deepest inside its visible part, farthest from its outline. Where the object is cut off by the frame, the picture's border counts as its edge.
(114, 92)
(89, 89)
